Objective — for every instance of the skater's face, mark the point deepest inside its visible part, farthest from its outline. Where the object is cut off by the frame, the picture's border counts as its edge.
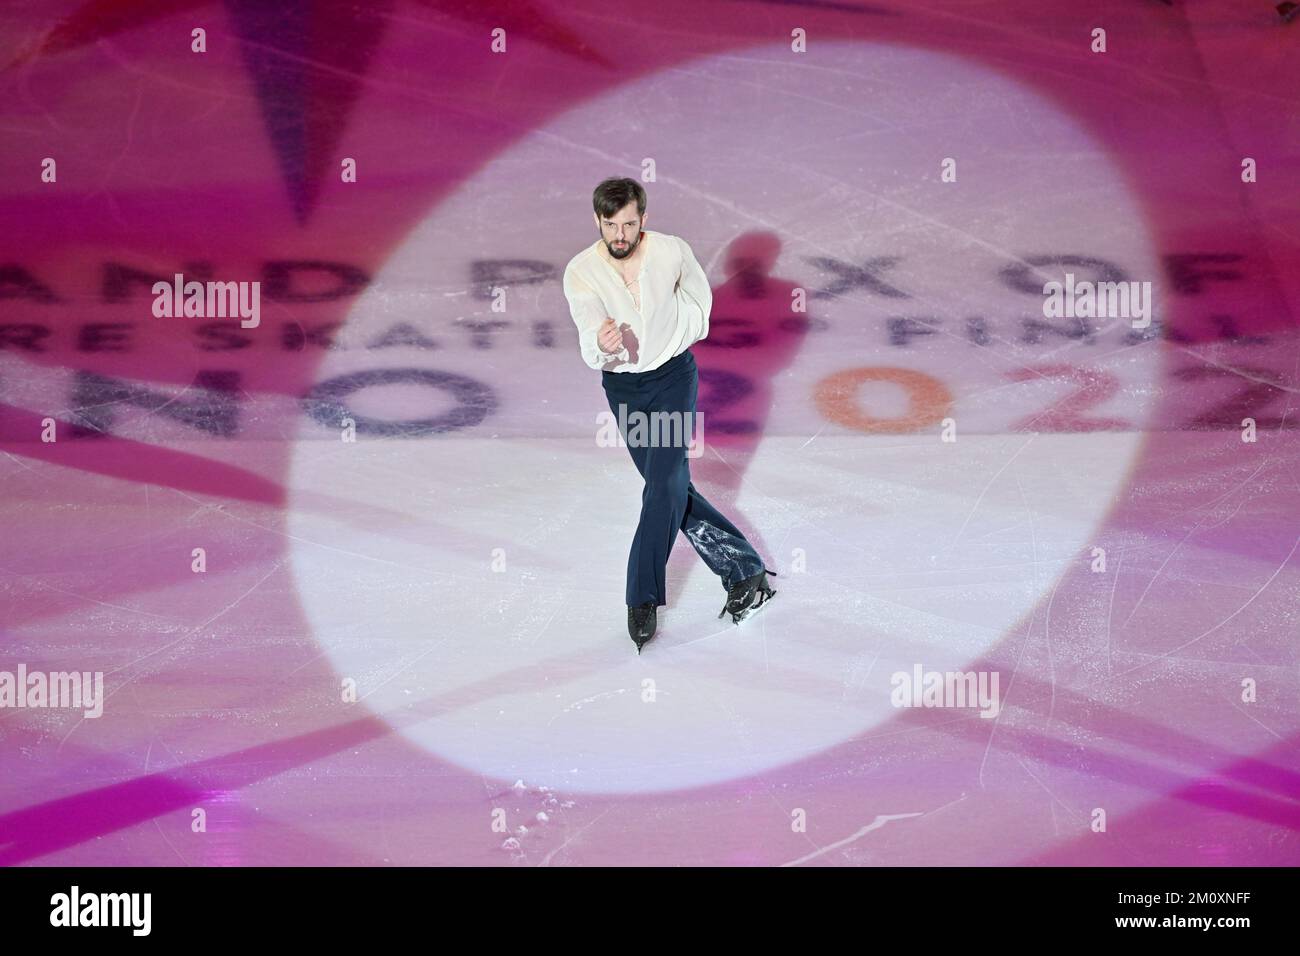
(621, 231)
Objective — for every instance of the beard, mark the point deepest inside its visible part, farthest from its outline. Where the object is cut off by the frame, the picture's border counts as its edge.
(622, 252)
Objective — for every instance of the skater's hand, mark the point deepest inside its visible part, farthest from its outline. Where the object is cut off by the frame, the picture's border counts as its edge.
(609, 337)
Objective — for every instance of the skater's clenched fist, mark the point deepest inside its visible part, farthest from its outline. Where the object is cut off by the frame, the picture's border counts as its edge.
(609, 337)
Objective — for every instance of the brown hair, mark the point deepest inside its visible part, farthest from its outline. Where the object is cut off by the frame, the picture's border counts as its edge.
(613, 194)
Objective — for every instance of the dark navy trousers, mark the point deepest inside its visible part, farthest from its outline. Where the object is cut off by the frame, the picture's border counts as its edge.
(669, 501)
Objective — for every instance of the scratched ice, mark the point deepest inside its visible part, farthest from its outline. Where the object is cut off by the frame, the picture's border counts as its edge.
(411, 648)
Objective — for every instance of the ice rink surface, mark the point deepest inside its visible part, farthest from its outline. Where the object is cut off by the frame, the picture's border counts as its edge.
(411, 647)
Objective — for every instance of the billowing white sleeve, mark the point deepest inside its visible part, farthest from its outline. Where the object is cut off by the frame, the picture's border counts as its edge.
(695, 284)
(588, 315)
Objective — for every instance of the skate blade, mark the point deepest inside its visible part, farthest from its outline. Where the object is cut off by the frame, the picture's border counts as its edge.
(752, 609)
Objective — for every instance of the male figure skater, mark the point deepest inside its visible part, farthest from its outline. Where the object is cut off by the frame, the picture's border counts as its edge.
(640, 301)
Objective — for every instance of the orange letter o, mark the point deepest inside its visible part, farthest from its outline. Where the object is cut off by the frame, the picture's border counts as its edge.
(836, 397)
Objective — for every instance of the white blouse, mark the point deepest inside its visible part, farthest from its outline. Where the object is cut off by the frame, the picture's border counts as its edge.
(675, 300)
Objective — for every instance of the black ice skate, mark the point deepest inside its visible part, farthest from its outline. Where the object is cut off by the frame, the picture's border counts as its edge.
(748, 596)
(641, 624)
